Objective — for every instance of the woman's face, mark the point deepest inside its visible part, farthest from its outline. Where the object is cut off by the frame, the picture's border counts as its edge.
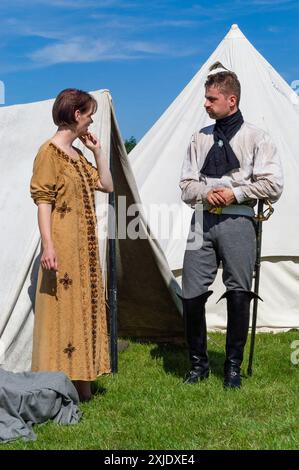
(83, 121)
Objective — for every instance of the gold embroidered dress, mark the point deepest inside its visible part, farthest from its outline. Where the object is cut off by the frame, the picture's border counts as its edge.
(70, 328)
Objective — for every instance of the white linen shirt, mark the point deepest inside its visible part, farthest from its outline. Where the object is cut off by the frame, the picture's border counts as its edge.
(259, 176)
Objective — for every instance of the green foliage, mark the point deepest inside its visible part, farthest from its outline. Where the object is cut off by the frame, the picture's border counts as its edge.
(130, 144)
(146, 405)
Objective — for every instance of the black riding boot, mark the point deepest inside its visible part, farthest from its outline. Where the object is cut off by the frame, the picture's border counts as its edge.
(238, 313)
(196, 336)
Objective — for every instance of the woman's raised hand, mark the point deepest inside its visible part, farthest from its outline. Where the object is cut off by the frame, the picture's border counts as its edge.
(90, 141)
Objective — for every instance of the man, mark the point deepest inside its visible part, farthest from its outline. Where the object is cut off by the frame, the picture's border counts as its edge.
(228, 166)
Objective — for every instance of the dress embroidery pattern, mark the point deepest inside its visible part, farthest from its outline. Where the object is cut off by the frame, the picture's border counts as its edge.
(69, 350)
(66, 281)
(92, 249)
(63, 209)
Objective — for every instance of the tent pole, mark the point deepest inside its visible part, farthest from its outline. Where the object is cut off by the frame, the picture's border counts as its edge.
(260, 218)
(112, 278)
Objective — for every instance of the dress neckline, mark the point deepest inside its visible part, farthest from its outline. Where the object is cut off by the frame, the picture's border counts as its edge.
(65, 153)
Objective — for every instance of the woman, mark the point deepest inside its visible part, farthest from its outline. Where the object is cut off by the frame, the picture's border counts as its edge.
(70, 330)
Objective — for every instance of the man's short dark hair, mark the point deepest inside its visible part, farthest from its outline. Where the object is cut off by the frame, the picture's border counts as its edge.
(67, 102)
(226, 82)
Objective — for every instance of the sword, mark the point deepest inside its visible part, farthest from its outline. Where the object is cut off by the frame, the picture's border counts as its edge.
(261, 216)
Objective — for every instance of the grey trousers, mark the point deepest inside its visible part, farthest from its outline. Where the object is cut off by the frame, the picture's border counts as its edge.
(230, 239)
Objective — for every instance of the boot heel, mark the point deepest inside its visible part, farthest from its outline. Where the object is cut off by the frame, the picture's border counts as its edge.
(205, 375)
(194, 377)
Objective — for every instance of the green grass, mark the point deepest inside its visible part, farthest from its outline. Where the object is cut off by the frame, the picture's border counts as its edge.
(146, 406)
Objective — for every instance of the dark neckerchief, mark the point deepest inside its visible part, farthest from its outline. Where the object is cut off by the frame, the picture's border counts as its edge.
(221, 158)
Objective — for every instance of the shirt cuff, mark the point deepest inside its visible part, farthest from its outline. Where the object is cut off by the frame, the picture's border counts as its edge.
(203, 195)
(239, 195)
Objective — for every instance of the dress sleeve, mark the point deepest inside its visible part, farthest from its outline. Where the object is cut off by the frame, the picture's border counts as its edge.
(43, 186)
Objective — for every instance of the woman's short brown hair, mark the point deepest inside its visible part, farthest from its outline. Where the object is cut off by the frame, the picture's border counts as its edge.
(67, 102)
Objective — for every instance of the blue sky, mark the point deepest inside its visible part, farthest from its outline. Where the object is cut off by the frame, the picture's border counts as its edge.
(144, 52)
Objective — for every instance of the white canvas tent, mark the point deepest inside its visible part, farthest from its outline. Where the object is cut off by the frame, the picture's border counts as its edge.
(266, 101)
(147, 300)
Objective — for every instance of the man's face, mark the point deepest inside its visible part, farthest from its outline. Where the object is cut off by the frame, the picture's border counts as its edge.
(218, 105)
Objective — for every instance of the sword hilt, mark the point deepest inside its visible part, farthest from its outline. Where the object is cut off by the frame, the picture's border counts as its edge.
(265, 214)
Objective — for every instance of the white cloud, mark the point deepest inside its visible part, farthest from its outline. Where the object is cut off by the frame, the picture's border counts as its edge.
(271, 2)
(77, 50)
(274, 29)
(84, 49)
(221, 10)
(139, 23)
(75, 4)
(176, 23)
